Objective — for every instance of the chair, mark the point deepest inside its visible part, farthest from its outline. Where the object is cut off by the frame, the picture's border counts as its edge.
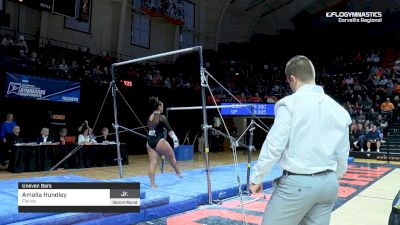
(70, 139)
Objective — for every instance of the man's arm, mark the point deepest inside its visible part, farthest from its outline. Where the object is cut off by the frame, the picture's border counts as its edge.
(274, 144)
(342, 154)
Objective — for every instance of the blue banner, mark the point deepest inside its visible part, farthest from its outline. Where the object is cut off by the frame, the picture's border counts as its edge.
(258, 109)
(22, 86)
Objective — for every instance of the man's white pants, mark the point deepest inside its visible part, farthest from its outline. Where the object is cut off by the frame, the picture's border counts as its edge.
(302, 199)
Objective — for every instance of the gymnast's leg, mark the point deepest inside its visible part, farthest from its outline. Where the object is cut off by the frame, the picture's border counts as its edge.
(165, 149)
(153, 156)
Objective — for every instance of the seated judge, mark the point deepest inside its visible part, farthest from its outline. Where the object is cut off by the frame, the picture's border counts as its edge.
(63, 133)
(105, 138)
(85, 138)
(44, 137)
(15, 138)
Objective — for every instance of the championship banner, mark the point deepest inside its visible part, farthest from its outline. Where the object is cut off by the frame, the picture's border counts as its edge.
(152, 7)
(173, 11)
(84, 11)
(22, 86)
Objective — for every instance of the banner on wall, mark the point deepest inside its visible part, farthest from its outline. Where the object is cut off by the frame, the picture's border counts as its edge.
(152, 7)
(84, 11)
(83, 21)
(22, 86)
(173, 11)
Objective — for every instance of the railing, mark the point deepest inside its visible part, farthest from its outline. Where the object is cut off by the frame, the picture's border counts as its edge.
(63, 44)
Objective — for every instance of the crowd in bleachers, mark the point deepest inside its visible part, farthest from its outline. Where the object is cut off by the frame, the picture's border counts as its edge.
(55, 62)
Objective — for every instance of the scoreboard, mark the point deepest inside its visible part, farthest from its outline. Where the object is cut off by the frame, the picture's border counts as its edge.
(258, 109)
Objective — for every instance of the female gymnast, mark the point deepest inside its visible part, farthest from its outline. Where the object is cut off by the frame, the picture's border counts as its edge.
(156, 143)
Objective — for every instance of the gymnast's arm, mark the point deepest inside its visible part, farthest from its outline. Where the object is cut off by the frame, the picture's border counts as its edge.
(171, 133)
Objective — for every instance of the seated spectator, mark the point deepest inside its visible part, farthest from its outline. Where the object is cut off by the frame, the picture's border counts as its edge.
(396, 88)
(359, 137)
(349, 108)
(84, 138)
(7, 41)
(34, 56)
(12, 139)
(63, 66)
(105, 138)
(361, 117)
(44, 137)
(22, 46)
(367, 103)
(374, 137)
(381, 123)
(85, 124)
(63, 133)
(167, 83)
(396, 110)
(15, 137)
(241, 97)
(256, 98)
(367, 126)
(372, 115)
(357, 108)
(379, 72)
(377, 103)
(157, 78)
(353, 125)
(387, 108)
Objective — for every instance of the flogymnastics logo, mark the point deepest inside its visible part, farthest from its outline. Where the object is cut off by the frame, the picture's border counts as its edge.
(356, 17)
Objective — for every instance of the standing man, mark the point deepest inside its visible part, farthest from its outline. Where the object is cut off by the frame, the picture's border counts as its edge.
(5, 133)
(310, 138)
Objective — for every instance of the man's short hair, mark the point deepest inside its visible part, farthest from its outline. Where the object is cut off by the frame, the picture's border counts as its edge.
(300, 67)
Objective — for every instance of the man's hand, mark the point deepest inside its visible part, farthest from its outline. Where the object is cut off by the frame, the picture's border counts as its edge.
(256, 188)
(4, 140)
(176, 143)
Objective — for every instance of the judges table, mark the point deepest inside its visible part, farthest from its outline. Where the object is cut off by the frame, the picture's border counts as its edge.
(32, 157)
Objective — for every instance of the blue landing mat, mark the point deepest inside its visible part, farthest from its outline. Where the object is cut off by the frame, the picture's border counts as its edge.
(186, 193)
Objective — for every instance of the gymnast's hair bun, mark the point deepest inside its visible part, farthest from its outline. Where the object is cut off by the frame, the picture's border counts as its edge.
(154, 102)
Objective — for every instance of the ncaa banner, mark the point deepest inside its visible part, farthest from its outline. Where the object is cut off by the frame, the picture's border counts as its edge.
(22, 86)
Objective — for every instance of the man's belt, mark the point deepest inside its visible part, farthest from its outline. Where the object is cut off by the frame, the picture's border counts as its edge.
(286, 173)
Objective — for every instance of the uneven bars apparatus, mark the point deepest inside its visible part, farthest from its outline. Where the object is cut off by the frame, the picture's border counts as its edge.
(203, 94)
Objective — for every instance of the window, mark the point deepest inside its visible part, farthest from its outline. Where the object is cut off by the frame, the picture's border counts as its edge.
(140, 30)
(187, 35)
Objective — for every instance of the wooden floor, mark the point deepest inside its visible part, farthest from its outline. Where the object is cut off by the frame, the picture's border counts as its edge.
(371, 207)
(138, 165)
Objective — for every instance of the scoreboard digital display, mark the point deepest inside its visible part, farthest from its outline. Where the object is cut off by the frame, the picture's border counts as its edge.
(258, 109)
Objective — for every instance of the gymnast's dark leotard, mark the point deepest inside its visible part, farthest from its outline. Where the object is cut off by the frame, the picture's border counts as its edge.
(156, 129)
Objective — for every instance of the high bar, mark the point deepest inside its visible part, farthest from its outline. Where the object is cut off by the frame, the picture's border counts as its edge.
(157, 56)
(209, 107)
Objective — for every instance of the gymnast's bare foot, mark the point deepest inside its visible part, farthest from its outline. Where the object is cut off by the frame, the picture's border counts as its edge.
(179, 175)
(154, 186)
